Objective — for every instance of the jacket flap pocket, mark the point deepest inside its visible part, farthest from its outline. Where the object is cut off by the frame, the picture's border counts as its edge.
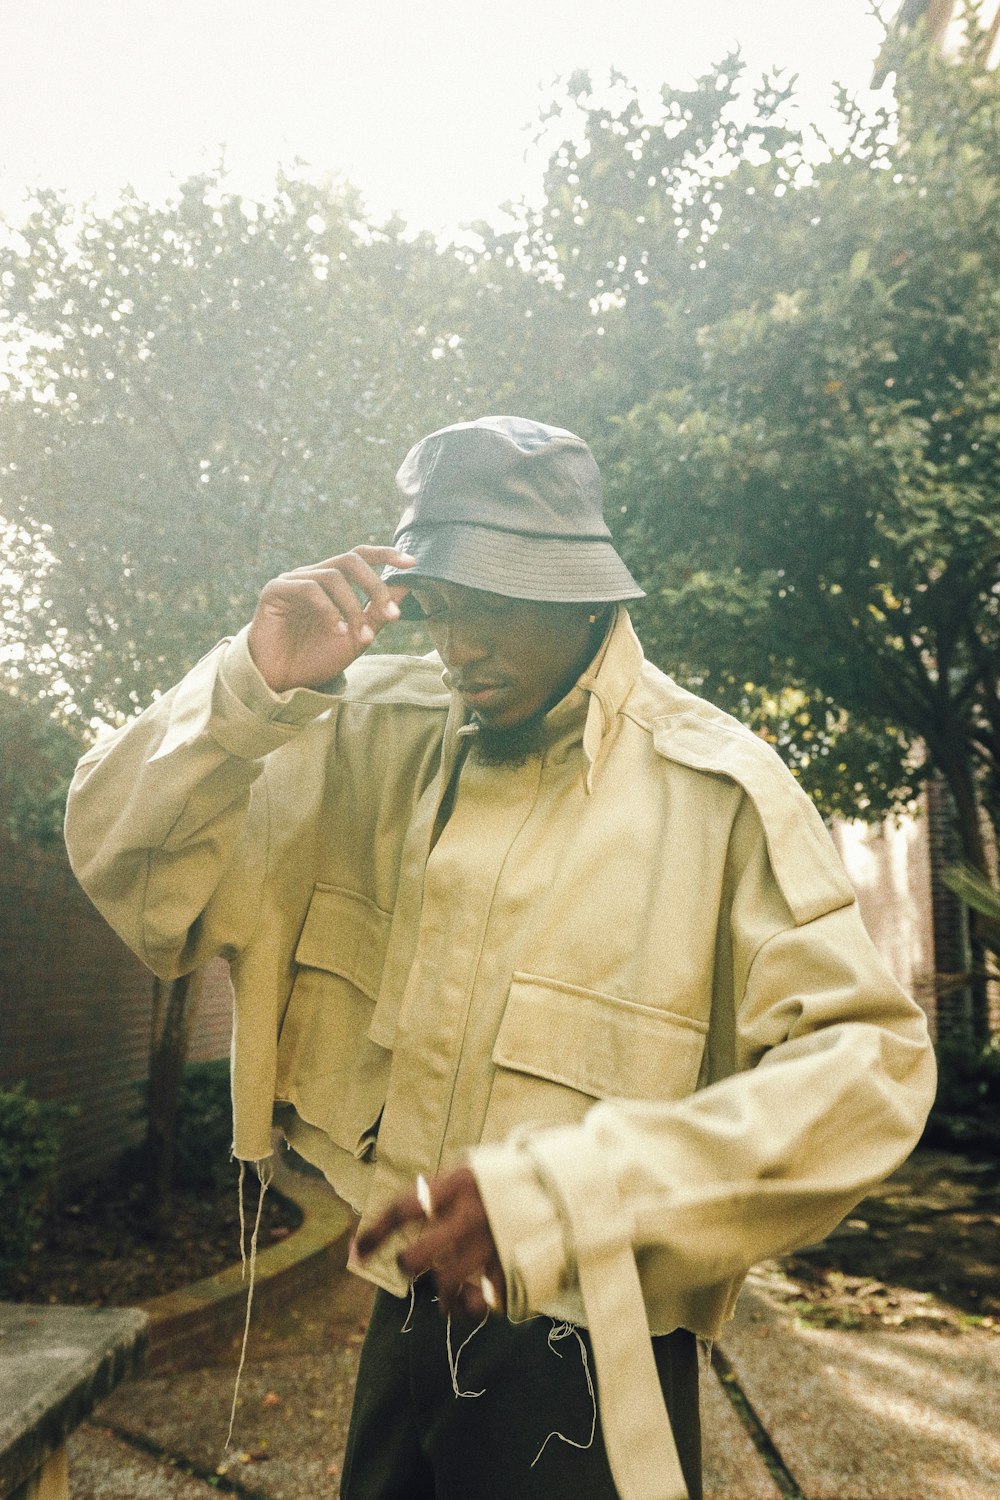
(598, 1044)
(345, 934)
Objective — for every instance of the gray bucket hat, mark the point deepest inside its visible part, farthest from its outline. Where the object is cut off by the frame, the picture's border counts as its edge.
(510, 506)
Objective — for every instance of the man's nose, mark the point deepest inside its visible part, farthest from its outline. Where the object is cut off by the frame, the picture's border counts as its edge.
(464, 643)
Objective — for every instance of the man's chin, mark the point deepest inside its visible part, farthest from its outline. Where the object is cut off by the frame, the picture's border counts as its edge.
(503, 744)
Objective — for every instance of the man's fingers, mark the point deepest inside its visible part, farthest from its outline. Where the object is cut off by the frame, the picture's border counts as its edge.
(402, 1211)
(322, 590)
(455, 1245)
(312, 622)
(376, 557)
(356, 589)
(336, 587)
(453, 1251)
(442, 1243)
(385, 557)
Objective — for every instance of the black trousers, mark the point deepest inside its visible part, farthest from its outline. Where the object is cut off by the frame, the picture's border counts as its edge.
(412, 1438)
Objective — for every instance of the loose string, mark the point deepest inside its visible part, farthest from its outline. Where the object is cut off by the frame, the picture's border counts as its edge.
(453, 1359)
(561, 1331)
(265, 1173)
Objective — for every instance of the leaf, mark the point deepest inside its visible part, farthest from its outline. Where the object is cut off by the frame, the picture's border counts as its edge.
(976, 891)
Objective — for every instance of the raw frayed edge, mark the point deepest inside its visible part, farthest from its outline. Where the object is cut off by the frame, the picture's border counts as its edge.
(265, 1174)
(453, 1359)
(562, 1331)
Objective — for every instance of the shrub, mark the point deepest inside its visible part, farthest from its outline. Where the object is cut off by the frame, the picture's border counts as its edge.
(966, 1112)
(30, 1139)
(202, 1145)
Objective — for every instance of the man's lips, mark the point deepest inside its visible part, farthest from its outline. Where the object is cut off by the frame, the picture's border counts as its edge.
(478, 691)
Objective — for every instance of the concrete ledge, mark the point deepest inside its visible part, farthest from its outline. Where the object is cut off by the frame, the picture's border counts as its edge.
(56, 1363)
(196, 1323)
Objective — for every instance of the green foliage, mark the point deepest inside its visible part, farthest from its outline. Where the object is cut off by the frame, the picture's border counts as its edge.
(797, 409)
(37, 758)
(203, 1142)
(984, 898)
(966, 1113)
(208, 393)
(30, 1138)
(203, 1133)
(786, 352)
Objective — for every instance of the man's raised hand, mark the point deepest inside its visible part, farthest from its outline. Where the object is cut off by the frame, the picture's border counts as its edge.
(313, 622)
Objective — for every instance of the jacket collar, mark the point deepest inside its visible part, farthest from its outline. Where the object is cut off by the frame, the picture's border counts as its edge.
(609, 679)
(597, 697)
(599, 693)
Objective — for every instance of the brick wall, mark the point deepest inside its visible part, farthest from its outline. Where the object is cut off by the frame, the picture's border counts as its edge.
(920, 927)
(76, 1007)
(952, 932)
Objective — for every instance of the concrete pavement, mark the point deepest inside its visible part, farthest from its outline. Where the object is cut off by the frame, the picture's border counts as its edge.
(791, 1411)
(904, 1414)
(911, 1413)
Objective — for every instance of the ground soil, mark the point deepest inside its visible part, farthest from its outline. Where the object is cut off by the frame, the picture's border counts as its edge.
(98, 1248)
(923, 1249)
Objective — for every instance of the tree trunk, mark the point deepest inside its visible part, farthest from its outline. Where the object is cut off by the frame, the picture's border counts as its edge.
(174, 1003)
(938, 16)
(960, 778)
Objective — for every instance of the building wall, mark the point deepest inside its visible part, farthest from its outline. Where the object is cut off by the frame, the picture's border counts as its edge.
(76, 1007)
(889, 865)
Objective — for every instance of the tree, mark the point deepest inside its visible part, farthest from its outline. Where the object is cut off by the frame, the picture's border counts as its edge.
(936, 16)
(208, 393)
(203, 395)
(798, 412)
(38, 758)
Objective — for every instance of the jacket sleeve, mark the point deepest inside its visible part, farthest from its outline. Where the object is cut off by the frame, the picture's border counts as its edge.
(166, 822)
(830, 1082)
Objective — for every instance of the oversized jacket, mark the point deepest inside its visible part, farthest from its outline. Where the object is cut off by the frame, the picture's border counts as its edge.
(628, 979)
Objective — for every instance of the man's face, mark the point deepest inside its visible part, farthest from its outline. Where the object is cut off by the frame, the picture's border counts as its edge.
(509, 659)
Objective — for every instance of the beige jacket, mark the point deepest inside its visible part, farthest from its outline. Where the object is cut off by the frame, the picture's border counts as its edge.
(630, 974)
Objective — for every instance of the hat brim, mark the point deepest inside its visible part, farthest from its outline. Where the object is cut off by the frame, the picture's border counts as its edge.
(540, 569)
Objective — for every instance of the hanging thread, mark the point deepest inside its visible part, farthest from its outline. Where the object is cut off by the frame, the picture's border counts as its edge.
(265, 1172)
(562, 1331)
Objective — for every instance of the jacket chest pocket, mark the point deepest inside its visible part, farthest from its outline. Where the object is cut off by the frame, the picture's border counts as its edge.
(561, 1048)
(328, 1068)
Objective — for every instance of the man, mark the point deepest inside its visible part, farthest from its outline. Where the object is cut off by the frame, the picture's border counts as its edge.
(549, 966)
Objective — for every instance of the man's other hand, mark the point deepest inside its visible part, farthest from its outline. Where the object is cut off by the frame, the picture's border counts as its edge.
(455, 1247)
(313, 622)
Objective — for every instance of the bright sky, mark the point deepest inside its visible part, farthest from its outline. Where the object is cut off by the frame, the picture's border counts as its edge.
(423, 104)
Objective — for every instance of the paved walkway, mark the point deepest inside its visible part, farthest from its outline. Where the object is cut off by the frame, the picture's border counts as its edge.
(791, 1413)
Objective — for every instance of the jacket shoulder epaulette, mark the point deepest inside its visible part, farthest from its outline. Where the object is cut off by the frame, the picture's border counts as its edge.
(694, 733)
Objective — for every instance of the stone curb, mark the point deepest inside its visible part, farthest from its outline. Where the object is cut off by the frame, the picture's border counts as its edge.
(189, 1326)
